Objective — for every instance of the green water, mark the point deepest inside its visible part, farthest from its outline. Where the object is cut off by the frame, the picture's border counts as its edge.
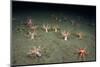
(55, 49)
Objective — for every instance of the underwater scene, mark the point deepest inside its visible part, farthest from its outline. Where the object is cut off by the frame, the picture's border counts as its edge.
(47, 33)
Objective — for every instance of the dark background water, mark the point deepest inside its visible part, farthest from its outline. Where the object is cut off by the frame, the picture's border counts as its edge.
(20, 7)
(36, 6)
